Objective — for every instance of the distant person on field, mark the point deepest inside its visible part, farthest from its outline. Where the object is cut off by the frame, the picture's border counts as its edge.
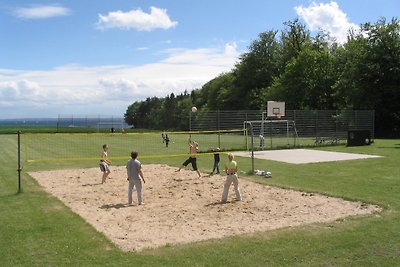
(166, 140)
(163, 137)
(193, 148)
(104, 164)
(216, 160)
(135, 178)
(262, 141)
(231, 170)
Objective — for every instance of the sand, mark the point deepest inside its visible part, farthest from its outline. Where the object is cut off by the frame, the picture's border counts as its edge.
(182, 208)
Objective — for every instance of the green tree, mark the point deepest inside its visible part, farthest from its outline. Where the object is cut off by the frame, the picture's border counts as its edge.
(294, 38)
(168, 112)
(308, 80)
(255, 71)
(370, 77)
(131, 115)
(217, 93)
(305, 72)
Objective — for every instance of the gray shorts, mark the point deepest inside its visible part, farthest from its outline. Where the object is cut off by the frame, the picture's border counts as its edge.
(103, 166)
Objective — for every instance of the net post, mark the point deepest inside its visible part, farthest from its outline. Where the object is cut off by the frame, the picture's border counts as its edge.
(19, 162)
(252, 147)
(190, 124)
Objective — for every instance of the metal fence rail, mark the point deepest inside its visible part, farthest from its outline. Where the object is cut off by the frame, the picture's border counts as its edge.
(86, 121)
(296, 128)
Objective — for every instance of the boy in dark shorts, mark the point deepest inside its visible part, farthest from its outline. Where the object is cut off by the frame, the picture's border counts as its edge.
(194, 148)
(216, 160)
(166, 140)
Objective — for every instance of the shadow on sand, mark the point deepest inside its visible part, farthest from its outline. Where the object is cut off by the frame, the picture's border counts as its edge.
(115, 206)
(91, 184)
(216, 203)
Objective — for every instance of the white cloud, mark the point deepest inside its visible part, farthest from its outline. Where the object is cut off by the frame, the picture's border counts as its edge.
(20, 90)
(111, 89)
(41, 12)
(231, 49)
(142, 48)
(328, 17)
(136, 19)
(203, 56)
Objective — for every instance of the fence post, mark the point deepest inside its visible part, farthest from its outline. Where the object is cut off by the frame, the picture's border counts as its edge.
(247, 132)
(373, 125)
(294, 127)
(19, 163)
(219, 128)
(252, 147)
(336, 127)
(270, 132)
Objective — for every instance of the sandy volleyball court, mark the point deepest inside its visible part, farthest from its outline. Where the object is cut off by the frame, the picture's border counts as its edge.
(181, 208)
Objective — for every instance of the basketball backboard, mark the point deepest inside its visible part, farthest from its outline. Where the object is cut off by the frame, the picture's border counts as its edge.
(275, 109)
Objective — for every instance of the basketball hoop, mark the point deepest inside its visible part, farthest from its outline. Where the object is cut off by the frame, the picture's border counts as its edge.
(277, 114)
(275, 109)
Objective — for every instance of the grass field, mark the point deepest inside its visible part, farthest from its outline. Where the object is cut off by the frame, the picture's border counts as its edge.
(38, 230)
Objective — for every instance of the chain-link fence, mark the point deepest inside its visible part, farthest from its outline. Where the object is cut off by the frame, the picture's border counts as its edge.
(90, 122)
(296, 128)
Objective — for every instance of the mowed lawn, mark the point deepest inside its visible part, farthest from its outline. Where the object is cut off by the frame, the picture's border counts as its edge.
(36, 229)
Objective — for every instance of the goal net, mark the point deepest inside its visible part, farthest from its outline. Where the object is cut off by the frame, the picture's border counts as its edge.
(270, 134)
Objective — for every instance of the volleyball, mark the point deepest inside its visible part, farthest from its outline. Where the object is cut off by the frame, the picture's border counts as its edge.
(194, 109)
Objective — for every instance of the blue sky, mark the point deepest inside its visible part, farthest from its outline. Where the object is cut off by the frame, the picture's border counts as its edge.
(88, 57)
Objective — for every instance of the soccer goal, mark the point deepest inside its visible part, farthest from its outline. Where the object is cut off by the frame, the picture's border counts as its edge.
(270, 134)
(273, 130)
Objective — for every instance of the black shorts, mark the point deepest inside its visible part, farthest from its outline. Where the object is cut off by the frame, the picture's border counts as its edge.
(193, 161)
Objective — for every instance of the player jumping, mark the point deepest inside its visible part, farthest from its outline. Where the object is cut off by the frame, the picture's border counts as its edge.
(194, 148)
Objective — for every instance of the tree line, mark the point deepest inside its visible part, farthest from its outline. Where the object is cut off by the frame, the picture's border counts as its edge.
(307, 72)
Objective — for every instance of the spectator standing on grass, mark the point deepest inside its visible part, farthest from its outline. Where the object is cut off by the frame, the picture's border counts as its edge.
(231, 169)
(135, 178)
(166, 140)
(193, 148)
(262, 140)
(104, 164)
(216, 160)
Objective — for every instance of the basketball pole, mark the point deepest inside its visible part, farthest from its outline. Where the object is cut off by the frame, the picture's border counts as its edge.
(252, 147)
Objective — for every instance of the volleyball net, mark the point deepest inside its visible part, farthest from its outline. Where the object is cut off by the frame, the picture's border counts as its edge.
(88, 146)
